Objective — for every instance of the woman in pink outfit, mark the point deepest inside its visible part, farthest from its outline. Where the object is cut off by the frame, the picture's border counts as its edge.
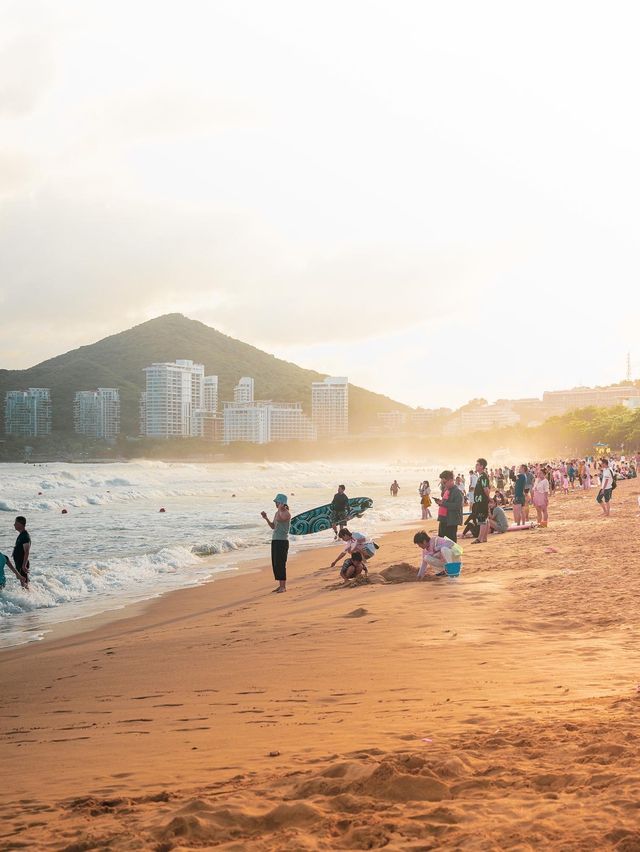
(541, 497)
(586, 478)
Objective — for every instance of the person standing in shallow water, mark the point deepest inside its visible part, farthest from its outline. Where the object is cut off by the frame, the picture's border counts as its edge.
(22, 550)
(280, 541)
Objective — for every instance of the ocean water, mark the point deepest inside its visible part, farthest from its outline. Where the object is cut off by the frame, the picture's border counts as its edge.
(114, 546)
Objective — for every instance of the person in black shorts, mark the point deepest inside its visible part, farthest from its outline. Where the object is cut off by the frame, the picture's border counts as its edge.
(481, 501)
(22, 549)
(339, 510)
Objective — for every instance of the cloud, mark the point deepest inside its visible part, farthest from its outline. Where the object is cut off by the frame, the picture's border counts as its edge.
(26, 70)
(94, 264)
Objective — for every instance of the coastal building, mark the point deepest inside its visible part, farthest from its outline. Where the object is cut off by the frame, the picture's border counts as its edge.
(212, 426)
(96, 413)
(392, 421)
(480, 418)
(428, 420)
(172, 403)
(210, 391)
(243, 391)
(28, 413)
(559, 402)
(330, 407)
(264, 421)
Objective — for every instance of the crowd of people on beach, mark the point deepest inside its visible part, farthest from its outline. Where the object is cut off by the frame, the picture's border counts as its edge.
(488, 494)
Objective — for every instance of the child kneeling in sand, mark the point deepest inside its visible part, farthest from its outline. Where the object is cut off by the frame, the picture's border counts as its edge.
(353, 567)
(436, 551)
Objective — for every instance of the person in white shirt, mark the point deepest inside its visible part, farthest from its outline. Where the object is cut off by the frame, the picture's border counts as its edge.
(473, 478)
(606, 488)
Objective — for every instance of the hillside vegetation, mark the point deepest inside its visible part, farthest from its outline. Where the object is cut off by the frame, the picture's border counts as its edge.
(118, 361)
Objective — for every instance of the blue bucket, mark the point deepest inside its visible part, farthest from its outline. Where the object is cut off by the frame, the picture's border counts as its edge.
(453, 568)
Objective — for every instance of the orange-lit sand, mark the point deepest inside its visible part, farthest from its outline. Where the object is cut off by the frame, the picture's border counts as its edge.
(496, 712)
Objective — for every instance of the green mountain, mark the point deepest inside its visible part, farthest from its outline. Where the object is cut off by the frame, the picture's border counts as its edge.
(118, 361)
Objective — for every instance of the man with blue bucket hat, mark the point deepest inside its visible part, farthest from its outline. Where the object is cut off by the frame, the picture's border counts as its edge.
(280, 540)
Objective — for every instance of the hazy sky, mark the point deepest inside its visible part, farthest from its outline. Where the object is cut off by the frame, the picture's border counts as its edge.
(438, 199)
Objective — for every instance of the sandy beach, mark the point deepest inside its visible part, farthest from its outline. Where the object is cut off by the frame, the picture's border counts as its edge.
(499, 711)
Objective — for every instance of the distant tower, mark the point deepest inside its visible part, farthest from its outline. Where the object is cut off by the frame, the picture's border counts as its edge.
(628, 366)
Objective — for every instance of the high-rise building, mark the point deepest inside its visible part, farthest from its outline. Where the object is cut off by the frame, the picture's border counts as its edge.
(210, 402)
(28, 413)
(330, 407)
(173, 401)
(264, 421)
(243, 391)
(96, 413)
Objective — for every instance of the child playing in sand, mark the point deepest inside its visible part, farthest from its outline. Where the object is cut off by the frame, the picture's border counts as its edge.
(354, 543)
(436, 550)
(353, 567)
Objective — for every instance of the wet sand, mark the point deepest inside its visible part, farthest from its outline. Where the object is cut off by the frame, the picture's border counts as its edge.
(499, 711)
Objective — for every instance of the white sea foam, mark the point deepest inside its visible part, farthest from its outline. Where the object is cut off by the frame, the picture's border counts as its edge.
(113, 545)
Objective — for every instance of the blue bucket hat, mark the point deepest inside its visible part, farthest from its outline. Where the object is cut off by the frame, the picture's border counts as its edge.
(280, 498)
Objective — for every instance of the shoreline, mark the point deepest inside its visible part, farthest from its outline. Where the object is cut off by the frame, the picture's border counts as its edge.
(224, 715)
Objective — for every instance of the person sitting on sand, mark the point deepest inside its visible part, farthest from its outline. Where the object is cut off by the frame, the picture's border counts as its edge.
(498, 522)
(471, 527)
(436, 551)
(353, 567)
(354, 543)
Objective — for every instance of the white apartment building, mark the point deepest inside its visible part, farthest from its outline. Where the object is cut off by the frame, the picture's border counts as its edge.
(330, 407)
(559, 402)
(481, 419)
(210, 399)
(96, 413)
(244, 390)
(264, 421)
(173, 401)
(392, 421)
(28, 413)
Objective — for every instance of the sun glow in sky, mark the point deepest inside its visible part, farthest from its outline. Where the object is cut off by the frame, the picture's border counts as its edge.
(439, 200)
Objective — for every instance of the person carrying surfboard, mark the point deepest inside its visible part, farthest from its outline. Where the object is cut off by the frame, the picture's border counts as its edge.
(339, 510)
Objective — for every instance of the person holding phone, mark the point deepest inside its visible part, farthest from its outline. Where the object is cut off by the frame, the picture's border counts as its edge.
(279, 540)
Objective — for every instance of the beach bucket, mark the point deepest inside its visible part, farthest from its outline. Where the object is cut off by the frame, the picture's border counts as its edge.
(453, 568)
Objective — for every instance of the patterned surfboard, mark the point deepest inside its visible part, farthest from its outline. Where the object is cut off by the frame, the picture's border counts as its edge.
(317, 520)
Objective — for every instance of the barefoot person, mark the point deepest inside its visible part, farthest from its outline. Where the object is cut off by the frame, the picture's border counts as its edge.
(339, 510)
(353, 567)
(606, 487)
(449, 506)
(280, 540)
(354, 543)
(5, 561)
(518, 495)
(436, 551)
(22, 550)
(540, 494)
(481, 500)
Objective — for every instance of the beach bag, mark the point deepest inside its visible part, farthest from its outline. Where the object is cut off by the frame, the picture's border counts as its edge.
(614, 481)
